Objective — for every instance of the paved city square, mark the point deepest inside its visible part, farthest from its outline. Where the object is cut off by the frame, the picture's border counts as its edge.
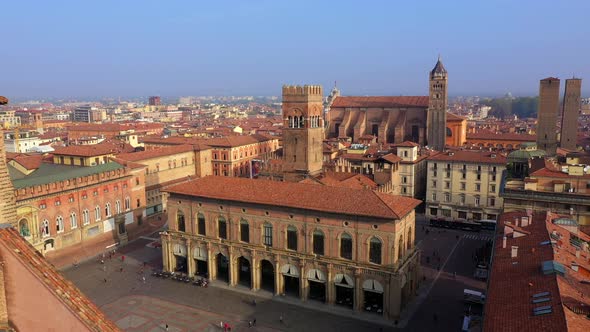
(118, 287)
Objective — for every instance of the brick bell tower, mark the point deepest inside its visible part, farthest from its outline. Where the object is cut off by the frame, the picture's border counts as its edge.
(7, 197)
(303, 131)
(437, 107)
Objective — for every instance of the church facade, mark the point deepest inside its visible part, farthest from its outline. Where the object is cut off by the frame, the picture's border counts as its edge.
(420, 119)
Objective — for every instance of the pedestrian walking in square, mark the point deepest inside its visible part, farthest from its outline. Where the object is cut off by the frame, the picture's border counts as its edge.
(122, 258)
(166, 327)
(249, 323)
(281, 319)
(254, 322)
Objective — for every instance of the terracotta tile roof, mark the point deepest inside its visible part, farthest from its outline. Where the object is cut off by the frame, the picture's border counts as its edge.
(155, 153)
(299, 195)
(381, 101)
(406, 144)
(469, 156)
(509, 303)
(454, 117)
(100, 149)
(65, 291)
(489, 135)
(227, 141)
(513, 281)
(348, 180)
(28, 161)
(392, 158)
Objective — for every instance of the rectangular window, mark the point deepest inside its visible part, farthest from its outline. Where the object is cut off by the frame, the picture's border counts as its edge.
(462, 199)
(434, 184)
(222, 229)
(433, 211)
(478, 177)
(477, 187)
(492, 201)
(493, 188)
(476, 201)
(292, 239)
(464, 176)
(463, 185)
(448, 175)
(493, 178)
(447, 185)
(267, 235)
(435, 174)
(434, 196)
(244, 232)
(447, 197)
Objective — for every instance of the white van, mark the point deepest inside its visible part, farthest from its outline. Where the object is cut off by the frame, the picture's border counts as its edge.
(473, 296)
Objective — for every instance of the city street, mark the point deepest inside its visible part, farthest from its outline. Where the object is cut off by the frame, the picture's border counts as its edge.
(445, 298)
(136, 305)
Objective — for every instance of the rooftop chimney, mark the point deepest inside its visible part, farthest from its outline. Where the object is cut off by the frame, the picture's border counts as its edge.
(514, 252)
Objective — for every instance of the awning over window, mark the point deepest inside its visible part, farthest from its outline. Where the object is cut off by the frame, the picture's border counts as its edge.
(290, 270)
(372, 285)
(179, 250)
(316, 275)
(200, 254)
(344, 280)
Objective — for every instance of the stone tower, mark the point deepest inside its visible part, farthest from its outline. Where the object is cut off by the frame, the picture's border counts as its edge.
(303, 131)
(7, 197)
(571, 111)
(547, 115)
(437, 107)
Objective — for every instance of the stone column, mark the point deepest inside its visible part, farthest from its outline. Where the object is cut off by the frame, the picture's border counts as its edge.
(165, 253)
(232, 266)
(386, 297)
(277, 271)
(330, 285)
(190, 261)
(210, 266)
(254, 272)
(302, 281)
(358, 291)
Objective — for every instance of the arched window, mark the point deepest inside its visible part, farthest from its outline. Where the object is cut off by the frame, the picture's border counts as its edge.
(201, 228)
(117, 206)
(97, 213)
(127, 203)
(375, 250)
(23, 227)
(290, 121)
(244, 231)
(107, 210)
(267, 234)
(318, 242)
(45, 228)
(301, 122)
(59, 224)
(400, 248)
(346, 246)
(85, 217)
(222, 228)
(291, 238)
(73, 220)
(409, 241)
(180, 221)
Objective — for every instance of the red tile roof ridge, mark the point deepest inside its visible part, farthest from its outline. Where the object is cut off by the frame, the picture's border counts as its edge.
(65, 291)
(380, 101)
(331, 199)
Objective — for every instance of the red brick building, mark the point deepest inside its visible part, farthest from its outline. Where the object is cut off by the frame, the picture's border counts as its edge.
(61, 205)
(349, 247)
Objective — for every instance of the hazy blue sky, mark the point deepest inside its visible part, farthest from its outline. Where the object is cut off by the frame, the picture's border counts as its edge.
(173, 48)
